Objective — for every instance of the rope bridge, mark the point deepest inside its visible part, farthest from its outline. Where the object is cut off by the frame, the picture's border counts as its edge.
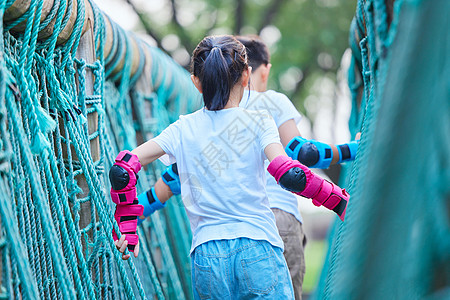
(395, 242)
(75, 89)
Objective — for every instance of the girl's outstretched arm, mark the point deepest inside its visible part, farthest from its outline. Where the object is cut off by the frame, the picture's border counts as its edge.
(312, 153)
(298, 179)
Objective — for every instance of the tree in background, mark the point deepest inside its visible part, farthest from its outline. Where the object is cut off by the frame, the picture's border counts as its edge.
(307, 38)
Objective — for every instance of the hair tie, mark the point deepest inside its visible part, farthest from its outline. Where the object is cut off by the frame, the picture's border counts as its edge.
(215, 47)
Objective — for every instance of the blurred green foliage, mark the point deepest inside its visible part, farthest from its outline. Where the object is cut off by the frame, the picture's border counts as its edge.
(306, 37)
(315, 252)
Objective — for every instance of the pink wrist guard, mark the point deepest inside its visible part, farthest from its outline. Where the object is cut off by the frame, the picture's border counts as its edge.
(123, 177)
(127, 217)
(327, 194)
(318, 189)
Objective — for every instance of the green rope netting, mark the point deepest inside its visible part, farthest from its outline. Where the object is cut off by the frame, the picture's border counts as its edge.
(395, 242)
(62, 122)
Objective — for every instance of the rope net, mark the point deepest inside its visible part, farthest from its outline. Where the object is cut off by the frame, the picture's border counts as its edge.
(63, 119)
(395, 242)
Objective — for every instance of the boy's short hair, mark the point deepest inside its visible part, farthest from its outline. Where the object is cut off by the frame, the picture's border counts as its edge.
(257, 51)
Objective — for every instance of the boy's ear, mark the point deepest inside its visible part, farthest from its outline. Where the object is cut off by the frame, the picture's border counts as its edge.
(246, 76)
(265, 72)
(197, 83)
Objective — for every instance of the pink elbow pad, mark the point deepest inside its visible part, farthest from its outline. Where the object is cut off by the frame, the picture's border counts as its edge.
(280, 165)
(322, 192)
(129, 163)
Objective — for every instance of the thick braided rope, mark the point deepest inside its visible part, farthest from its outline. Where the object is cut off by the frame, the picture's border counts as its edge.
(6, 211)
(60, 266)
(32, 119)
(28, 23)
(32, 28)
(56, 191)
(71, 46)
(74, 243)
(31, 223)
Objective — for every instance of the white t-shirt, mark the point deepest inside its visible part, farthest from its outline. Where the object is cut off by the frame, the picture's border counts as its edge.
(220, 158)
(282, 110)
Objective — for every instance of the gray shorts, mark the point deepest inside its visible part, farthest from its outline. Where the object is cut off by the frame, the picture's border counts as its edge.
(291, 231)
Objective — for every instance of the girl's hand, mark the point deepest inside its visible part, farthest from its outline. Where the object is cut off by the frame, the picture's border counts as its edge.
(122, 244)
(358, 136)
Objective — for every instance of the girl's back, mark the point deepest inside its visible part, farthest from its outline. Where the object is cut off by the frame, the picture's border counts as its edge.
(220, 157)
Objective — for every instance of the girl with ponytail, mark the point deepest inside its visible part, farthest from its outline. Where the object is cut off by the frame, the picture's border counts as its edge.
(236, 250)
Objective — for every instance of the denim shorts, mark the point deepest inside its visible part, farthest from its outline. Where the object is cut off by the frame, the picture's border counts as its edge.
(240, 268)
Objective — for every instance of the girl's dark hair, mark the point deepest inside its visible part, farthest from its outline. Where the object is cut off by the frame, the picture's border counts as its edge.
(258, 53)
(218, 61)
